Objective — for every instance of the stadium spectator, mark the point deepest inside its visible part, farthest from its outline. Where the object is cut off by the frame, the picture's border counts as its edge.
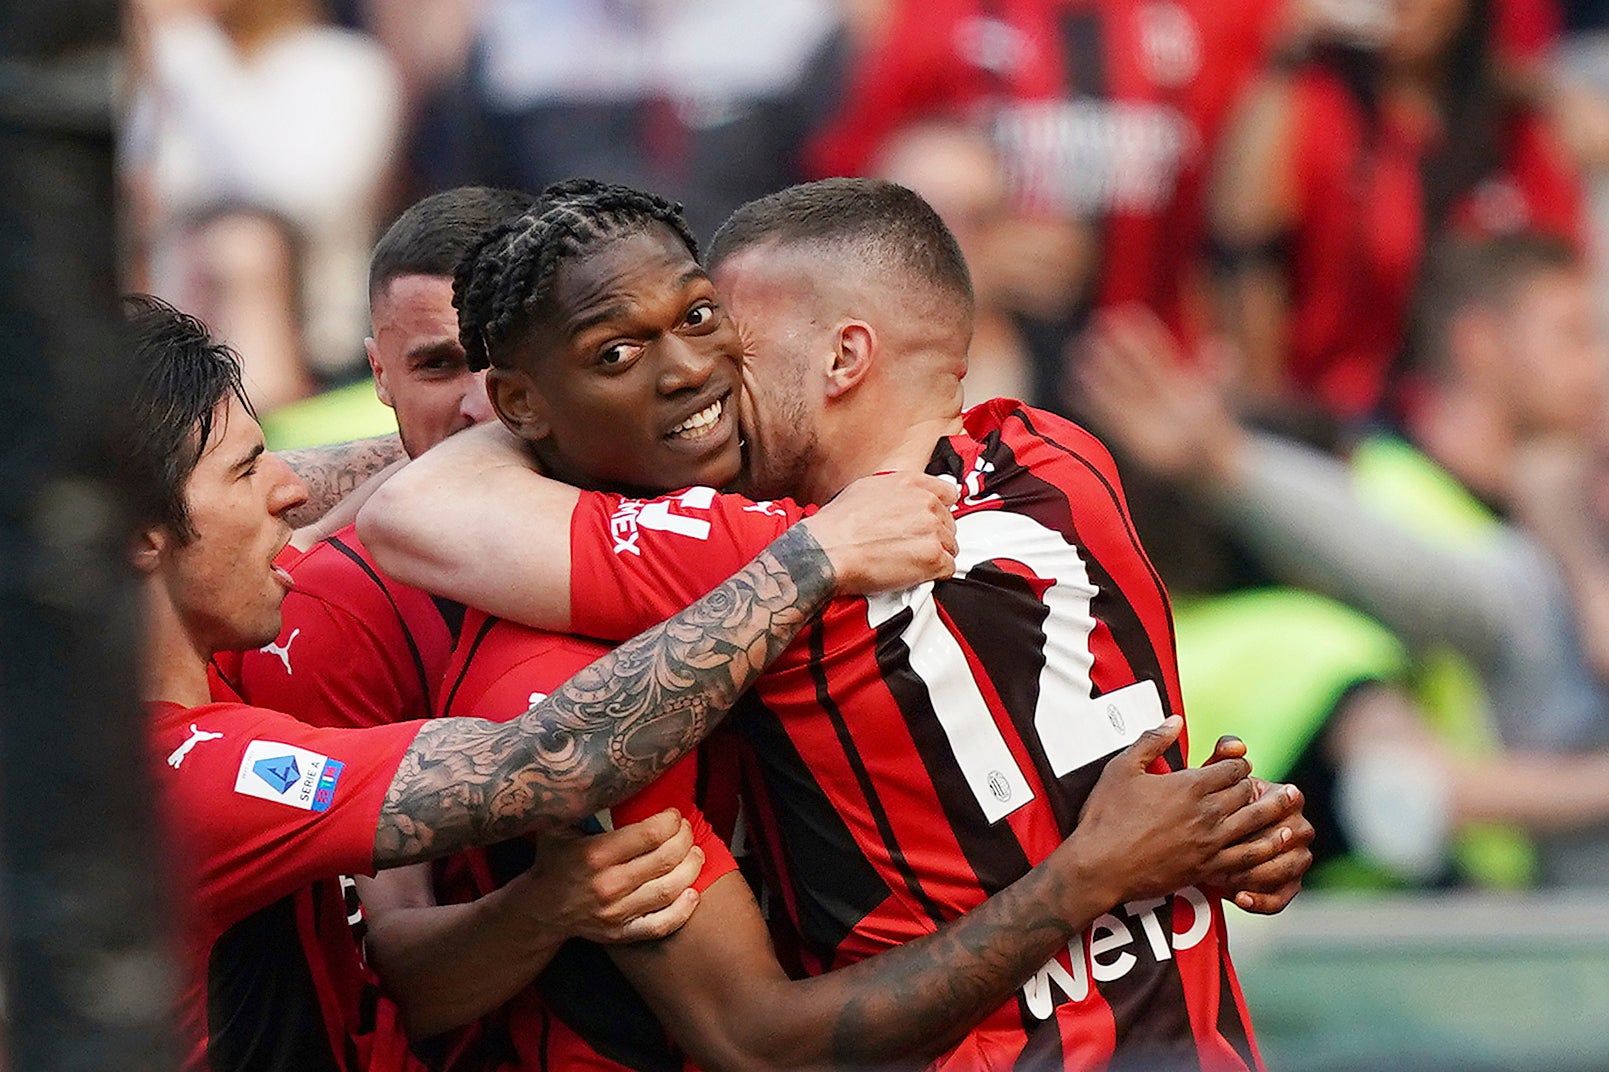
(866, 274)
(1372, 137)
(263, 812)
(254, 110)
(1105, 114)
(1512, 355)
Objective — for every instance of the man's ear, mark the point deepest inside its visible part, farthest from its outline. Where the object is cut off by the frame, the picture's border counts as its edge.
(852, 358)
(518, 403)
(375, 368)
(149, 546)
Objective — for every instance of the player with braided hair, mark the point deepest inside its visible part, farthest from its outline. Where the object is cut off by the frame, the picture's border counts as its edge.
(505, 277)
(613, 361)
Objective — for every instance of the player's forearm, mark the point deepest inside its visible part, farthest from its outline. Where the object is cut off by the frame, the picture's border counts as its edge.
(613, 728)
(735, 1012)
(446, 965)
(474, 521)
(916, 1001)
(332, 472)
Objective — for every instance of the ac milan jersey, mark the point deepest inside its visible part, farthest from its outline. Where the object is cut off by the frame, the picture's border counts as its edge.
(580, 1013)
(920, 752)
(1103, 110)
(356, 648)
(262, 814)
(1360, 232)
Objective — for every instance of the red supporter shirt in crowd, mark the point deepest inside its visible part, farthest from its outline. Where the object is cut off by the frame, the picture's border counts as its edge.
(356, 648)
(581, 1013)
(1106, 110)
(1359, 239)
(920, 752)
(262, 814)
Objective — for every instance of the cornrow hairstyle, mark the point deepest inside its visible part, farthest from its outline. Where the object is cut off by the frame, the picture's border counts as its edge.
(432, 234)
(868, 221)
(506, 277)
(182, 376)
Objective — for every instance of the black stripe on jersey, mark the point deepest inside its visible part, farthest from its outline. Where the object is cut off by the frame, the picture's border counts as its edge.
(585, 990)
(992, 851)
(1084, 54)
(1003, 622)
(1148, 1003)
(1231, 1022)
(1149, 1010)
(1043, 1053)
(407, 634)
(452, 615)
(263, 1011)
(816, 848)
(469, 657)
(1141, 664)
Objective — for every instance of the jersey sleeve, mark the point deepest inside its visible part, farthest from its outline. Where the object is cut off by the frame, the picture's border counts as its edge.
(267, 804)
(678, 788)
(634, 562)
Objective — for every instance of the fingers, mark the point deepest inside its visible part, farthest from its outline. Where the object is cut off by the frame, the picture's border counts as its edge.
(660, 924)
(1267, 904)
(946, 491)
(1247, 810)
(1228, 747)
(651, 898)
(1227, 775)
(1151, 744)
(632, 840)
(1287, 866)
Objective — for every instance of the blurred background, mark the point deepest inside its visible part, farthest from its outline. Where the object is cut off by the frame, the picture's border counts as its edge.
(1329, 276)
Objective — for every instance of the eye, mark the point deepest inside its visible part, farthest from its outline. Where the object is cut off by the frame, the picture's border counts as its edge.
(701, 315)
(619, 353)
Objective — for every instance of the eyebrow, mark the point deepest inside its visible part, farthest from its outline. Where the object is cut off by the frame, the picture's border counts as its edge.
(251, 456)
(437, 348)
(615, 312)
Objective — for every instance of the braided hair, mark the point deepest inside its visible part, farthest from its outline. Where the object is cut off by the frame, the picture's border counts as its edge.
(503, 280)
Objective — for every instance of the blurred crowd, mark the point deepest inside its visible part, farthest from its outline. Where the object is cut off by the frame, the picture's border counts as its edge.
(1328, 276)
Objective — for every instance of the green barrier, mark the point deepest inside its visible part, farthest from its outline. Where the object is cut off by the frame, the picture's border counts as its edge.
(351, 412)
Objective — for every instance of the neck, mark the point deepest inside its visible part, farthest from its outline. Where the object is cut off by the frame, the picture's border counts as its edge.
(875, 444)
(1471, 438)
(175, 666)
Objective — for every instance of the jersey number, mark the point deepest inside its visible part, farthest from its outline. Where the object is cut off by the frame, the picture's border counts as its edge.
(1074, 726)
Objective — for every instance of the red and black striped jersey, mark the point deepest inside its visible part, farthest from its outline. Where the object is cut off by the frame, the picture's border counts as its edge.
(355, 647)
(261, 814)
(580, 1013)
(919, 752)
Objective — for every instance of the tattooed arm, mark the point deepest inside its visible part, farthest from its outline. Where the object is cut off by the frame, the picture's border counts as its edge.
(623, 721)
(331, 473)
(716, 983)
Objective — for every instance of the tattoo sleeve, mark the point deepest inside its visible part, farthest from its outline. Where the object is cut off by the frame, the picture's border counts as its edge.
(331, 473)
(610, 730)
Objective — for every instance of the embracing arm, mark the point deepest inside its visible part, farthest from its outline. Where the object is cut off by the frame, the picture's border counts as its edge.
(717, 986)
(331, 473)
(474, 520)
(611, 729)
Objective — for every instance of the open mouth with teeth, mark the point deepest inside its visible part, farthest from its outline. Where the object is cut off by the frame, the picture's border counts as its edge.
(700, 424)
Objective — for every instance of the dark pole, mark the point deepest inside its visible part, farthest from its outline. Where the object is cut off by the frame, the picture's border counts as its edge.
(87, 982)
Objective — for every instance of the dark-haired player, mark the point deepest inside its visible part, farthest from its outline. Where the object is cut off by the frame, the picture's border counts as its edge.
(876, 829)
(262, 811)
(357, 648)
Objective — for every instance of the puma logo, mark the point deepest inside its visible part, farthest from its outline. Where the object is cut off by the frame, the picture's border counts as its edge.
(282, 650)
(196, 737)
